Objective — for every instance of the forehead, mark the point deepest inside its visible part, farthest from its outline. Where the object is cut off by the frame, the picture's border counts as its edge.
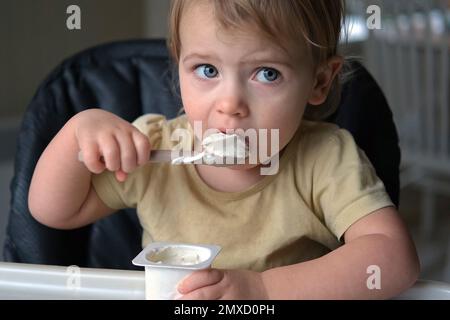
(199, 30)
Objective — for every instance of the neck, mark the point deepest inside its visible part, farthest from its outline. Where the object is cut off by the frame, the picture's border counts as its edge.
(227, 179)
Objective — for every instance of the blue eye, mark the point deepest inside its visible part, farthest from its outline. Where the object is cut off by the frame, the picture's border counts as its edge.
(267, 75)
(206, 71)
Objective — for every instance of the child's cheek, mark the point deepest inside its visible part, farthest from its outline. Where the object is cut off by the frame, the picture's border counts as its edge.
(188, 100)
(192, 110)
(194, 104)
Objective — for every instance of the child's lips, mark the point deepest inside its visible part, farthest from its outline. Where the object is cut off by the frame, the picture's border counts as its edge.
(226, 130)
(233, 131)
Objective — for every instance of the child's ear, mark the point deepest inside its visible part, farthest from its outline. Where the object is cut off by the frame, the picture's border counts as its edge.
(324, 79)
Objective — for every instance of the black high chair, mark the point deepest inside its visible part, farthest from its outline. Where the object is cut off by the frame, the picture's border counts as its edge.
(131, 78)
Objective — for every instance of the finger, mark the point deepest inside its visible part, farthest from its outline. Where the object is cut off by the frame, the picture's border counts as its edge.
(128, 155)
(90, 155)
(120, 175)
(212, 292)
(110, 151)
(200, 279)
(142, 146)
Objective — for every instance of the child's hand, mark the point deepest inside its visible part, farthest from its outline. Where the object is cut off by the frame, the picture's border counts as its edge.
(213, 284)
(109, 142)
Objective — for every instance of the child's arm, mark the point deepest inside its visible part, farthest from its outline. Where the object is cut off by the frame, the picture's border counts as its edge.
(379, 239)
(61, 194)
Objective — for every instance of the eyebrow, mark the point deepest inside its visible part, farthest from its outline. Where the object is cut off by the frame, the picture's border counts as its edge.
(270, 61)
(198, 55)
(257, 60)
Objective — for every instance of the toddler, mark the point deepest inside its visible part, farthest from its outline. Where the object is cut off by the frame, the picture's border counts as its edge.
(313, 228)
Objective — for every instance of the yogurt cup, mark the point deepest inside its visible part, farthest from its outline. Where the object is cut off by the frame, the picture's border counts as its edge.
(166, 264)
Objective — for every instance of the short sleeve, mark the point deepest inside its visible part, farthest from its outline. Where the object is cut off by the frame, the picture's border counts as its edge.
(345, 185)
(119, 195)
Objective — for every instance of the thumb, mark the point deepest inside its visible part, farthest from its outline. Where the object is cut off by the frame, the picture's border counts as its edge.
(121, 176)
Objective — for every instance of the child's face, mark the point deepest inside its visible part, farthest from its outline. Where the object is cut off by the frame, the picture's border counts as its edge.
(233, 80)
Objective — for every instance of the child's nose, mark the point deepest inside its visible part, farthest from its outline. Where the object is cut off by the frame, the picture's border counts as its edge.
(233, 103)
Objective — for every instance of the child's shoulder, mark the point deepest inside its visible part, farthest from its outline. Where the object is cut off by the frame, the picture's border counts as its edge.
(316, 138)
(159, 129)
(155, 120)
(321, 132)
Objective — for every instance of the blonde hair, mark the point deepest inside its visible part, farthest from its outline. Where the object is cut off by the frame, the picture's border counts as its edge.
(317, 23)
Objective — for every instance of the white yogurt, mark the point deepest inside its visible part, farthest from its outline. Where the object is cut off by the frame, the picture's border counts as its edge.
(219, 146)
(187, 159)
(175, 256)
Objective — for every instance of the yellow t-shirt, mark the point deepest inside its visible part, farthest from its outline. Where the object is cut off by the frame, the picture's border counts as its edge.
(324, 184)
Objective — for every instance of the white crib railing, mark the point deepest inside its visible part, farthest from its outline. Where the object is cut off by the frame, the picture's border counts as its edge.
(409, 57)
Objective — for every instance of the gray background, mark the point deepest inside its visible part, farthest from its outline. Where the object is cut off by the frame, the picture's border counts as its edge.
(35, 40)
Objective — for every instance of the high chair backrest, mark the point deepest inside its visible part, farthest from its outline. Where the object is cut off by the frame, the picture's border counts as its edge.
(131, 78)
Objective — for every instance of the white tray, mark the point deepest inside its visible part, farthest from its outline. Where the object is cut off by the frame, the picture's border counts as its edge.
(32, 281)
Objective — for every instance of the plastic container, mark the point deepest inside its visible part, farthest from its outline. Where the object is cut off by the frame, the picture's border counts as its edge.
(166, 264)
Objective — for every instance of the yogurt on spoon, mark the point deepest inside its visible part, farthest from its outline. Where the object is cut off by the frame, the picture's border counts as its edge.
(217, 148)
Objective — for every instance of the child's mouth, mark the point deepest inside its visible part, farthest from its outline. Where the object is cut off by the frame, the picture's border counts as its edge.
(238, 133)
